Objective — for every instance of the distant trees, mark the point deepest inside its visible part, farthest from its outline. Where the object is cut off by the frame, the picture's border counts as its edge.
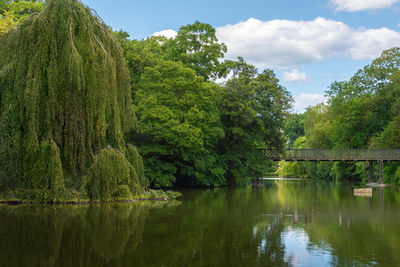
(361, 113)
(294, 128)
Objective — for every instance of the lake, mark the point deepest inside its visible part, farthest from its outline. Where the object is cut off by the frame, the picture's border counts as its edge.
(284, 223)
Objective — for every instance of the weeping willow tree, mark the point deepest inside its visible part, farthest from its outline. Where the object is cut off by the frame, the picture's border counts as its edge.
(64, 99)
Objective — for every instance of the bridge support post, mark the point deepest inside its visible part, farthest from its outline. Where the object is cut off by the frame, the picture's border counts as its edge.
(381, 171)
(370, 171)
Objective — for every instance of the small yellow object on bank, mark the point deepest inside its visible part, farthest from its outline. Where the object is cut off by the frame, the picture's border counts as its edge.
(363, 190)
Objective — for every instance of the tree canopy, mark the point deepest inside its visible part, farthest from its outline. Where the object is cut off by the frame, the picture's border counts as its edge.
(192, 131)
(74, 94)
(65, 98)
(362, 112)
(197, 47)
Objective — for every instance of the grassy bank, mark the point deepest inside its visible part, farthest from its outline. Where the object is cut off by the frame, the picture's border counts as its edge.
(74, 197)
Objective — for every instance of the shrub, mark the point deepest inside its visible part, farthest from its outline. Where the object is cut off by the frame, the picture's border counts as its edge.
(111, 176)
(133, 156)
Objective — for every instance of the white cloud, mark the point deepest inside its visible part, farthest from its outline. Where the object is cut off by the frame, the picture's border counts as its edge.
(295, 76)
(287, 43)
(359, 5)
(305, 100)
(369, 43)
(167, 33)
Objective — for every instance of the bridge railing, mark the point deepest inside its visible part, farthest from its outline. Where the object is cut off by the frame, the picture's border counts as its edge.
(333, 154)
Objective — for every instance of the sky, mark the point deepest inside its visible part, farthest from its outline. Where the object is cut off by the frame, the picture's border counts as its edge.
(308, 43)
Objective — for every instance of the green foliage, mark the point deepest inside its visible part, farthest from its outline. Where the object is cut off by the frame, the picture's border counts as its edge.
(191, 131)
(158, 195)
(14, 12)
(343, 171)
(300, 142)
(362, 113)
(178, 124)
(294, 128)
(317, 127)
(197, 47)
(396, 177)
(22, 9)
(135, 159)
(47, 173)
(65, 96)
(7, 21)
(253, 109)
(194, 132)
(139, 55)
(291, 169)
(365, 112)
(389, 137)
(294, 168)
(111, 176)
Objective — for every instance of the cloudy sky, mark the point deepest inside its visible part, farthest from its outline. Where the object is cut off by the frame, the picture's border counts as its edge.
(308, 43)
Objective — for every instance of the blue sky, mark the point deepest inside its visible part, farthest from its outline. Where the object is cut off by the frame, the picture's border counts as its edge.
(308, 43)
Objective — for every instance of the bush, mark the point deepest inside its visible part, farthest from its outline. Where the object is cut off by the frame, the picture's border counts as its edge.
(134, 158)
(46, 176)
(108, 175)
(122, 192)
(158, 195)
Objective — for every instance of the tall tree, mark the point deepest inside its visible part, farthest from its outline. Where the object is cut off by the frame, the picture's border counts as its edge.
(197, 47)
(65, 97)
(178, 126)
(253, 110)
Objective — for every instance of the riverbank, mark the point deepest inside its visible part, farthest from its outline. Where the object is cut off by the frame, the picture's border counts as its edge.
(25, 197)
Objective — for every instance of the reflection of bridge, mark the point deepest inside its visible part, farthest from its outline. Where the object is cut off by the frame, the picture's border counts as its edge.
(369, 155)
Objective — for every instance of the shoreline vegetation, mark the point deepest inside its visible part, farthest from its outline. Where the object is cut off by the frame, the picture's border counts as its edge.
(87, 114)
(16, 198)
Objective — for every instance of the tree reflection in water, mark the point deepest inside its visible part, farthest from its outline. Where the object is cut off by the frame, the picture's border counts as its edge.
(281, 224)
(71, 235)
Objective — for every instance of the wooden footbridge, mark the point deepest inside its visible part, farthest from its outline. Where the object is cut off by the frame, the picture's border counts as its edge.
(370, 155)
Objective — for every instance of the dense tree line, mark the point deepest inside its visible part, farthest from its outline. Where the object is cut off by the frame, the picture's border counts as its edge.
(72, 102)
(363, 112)
(192, 131)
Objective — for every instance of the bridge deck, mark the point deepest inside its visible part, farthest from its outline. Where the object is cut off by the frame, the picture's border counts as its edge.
(333, 154)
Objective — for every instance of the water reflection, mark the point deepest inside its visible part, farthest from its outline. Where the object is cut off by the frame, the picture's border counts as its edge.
(280, 224)
(69, 235)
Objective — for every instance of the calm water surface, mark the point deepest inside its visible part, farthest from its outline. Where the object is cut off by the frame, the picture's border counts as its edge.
(281, 224)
